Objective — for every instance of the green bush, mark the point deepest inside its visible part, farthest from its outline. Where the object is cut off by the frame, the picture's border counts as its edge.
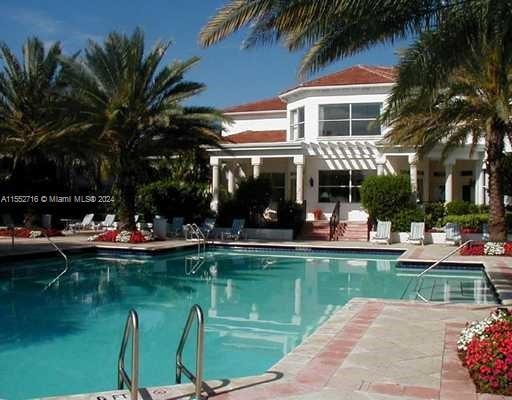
(385, 196)
(401, 221)
(290, 215)
(461, 208)
(249, 202)
(473, 221)
(169, 198)
(434, 214)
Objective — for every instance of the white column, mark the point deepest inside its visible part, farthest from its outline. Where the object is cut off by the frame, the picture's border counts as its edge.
(479, 183)
(426, 180)
(231, 180)
(448, 185)
(256, 163)
(381, 162)
(413, 172)
(214, 205)
(299, 164)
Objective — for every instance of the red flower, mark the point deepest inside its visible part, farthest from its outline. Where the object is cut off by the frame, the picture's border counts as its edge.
(476, 249)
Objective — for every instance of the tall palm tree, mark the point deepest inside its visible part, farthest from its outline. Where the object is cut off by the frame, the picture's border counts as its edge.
(327, 29)
(133, 108)
(32, 121)
(456, 83)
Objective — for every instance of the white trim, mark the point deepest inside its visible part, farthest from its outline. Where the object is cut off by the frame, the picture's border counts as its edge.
(255, 112)
(290, 92)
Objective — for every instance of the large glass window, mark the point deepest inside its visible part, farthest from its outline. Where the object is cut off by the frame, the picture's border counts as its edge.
(297, 123)
(277, 180)
(341, 186)
(356, 119)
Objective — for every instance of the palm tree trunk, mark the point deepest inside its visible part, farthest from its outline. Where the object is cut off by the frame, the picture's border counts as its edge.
(495, 144)
(126, 185)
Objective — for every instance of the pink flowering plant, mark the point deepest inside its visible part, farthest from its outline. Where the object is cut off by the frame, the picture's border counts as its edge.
(485, 348)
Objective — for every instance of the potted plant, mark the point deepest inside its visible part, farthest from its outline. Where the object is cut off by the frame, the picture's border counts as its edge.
(318, 214)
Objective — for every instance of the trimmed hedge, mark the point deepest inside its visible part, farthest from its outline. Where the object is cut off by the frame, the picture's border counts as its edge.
(473, 221)
(462, 208)
(384, 196)
(401, 221)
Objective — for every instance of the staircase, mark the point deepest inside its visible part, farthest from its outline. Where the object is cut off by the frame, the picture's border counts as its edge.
(353, 231)
(315, 230)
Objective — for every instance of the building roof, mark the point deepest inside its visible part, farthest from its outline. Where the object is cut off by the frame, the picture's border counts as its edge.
(256, 137)
(273, 104)
(356, 75)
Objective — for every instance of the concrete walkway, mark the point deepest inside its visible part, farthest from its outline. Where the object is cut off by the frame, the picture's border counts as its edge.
(368, 350)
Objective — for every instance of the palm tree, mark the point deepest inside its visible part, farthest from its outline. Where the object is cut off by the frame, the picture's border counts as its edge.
(133, 108)
(454, 84)
(327, 29)
(32, 122)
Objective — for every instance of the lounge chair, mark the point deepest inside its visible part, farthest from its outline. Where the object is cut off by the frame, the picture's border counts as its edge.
(175, 228)
(383, 234)
(207, 227)
(108, 222)
(417, 234)
(7, 221)
(236, 230)
(87, 223)
(453, 235)
(485, 232)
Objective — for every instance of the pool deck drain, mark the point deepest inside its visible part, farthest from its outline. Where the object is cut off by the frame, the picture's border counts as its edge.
(370, 349)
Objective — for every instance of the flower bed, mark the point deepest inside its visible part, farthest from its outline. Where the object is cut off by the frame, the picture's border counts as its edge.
(487, 249)
(485, 348)
(30, 233)
(123, 237)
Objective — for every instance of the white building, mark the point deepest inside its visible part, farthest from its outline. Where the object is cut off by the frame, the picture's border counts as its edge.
(318, 141)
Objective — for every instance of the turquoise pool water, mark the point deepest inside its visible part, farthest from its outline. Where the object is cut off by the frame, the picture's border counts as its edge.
(259, 306)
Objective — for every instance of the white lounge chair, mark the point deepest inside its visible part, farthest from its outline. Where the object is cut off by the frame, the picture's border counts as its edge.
(207, 226)
(453, 235)
(383, 234)
(236, 230)
(417, 234)
(108, 222)
(87, 223)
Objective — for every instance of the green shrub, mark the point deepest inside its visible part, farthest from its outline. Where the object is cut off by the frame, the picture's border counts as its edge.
(434, 214)
(169, 198)
(385, 196)
(401, 221)
(290, 215)
(249, 202)
(473, 221)
(461, 208)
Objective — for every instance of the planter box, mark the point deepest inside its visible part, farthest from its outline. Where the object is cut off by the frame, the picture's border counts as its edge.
(259, 233)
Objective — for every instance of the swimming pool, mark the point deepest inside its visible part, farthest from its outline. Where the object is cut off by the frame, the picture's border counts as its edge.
(259, 305)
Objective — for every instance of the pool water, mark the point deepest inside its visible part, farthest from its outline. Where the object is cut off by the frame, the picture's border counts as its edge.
(259, 305)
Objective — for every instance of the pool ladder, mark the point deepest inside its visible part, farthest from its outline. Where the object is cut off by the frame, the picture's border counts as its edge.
(196, 233)
(132, 327)
(419, 277)
(66, 259)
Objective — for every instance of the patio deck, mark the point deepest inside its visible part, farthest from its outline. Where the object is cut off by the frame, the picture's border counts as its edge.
(368, 350)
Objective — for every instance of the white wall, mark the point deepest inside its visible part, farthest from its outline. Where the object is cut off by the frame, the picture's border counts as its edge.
(256, 122)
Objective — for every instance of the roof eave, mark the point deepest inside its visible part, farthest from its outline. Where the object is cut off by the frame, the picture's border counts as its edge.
(298, 89)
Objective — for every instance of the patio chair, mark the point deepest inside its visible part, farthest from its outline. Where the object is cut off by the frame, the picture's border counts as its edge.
(453, 235)
(207, 227)
(87, 223)
(108, 222)
(7, 221)
(485, 231)
(236, 230)
(417, 234)
(175, 228)
(383, 234)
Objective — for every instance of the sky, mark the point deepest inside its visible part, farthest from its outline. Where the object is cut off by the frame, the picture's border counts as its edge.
(232, 75)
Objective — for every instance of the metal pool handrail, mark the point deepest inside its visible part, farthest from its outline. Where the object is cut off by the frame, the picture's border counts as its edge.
(132, 326)
(439, 261)
(66, 259)
(195, 313)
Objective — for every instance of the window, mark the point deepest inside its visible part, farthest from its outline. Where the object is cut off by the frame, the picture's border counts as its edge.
(349, 119)
(341, 186)
(277, 181)
(297, 123)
